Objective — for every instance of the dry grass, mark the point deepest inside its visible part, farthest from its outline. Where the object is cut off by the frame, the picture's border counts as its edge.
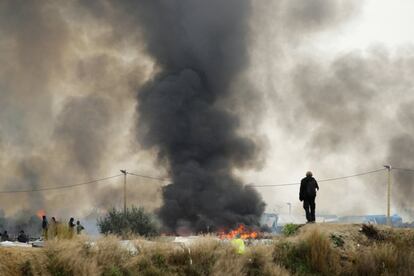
(60, 232)
(322, 258)
(207, 257)
(311, 251)
(384, 259)
(21, 261)
(106, 257)
(79, 257)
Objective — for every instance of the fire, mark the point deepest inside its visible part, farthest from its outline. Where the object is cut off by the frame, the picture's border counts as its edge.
(240, 230)
(40, 213)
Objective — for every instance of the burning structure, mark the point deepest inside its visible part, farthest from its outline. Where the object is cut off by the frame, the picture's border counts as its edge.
(184, 111)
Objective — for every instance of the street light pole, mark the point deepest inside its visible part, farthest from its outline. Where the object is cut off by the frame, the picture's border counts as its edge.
(125, 190)
(388, 167)
(290, 208)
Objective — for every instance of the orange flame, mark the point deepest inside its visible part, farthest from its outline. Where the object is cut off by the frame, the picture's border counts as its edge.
(40, 213)
(240, 230)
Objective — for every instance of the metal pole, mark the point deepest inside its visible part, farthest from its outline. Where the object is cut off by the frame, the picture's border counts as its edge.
(125, 190)
(290, 208)
(388, 167)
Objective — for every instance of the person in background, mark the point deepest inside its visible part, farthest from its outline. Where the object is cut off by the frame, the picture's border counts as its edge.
(238, 244)
(79, 227)
(307, 194)
(71, 225)
(22, 237)
(53, 228)
(5, 236)
(45, 226)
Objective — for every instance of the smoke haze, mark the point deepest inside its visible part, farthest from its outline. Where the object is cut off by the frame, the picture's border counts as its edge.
(213, 94)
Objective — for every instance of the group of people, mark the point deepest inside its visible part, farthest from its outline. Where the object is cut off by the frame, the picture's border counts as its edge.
(22, 237)
(49, 230)
(52, 229)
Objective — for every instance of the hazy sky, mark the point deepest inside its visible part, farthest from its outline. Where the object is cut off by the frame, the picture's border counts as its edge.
(375, 32)
(332, 83)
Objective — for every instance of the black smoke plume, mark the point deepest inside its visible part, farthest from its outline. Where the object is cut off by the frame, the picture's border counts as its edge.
(200, 49)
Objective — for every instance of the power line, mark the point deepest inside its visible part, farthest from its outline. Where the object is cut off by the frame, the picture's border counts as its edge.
(59, 187)
(402, 169)
(349, 176)
(167, 179)
(321, 180)
(276, 185)
(80, 184)
(149, 177)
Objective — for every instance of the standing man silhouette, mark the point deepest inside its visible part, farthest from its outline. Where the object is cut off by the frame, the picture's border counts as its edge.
(307, 194)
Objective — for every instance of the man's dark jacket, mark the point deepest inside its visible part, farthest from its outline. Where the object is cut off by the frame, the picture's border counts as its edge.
(308, 186)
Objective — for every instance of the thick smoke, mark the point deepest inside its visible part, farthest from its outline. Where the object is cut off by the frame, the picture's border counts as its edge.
(349, 109)
(33, 42)
(400, 155)
(344, 110)
(200, 48)
(22, 220)
(66, 107)
(68, 82)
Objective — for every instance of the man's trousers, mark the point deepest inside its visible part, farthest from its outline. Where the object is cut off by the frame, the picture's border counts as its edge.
(309, 206)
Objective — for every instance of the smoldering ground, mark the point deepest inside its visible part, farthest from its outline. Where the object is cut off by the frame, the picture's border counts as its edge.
(69, 109)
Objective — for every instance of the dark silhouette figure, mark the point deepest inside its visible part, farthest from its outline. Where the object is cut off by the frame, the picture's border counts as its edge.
(53, 231)
(5, 236)
(45, 226)
(71, 225)
(79, 227)
(22, 237)
(307, 194)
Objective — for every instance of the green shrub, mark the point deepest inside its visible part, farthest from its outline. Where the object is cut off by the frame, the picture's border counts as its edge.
(290, 229)
(134, 221)
(113, 271)
(337, 240)
(292, 256)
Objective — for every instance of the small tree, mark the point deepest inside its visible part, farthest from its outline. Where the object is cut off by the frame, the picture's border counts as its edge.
(135, 221)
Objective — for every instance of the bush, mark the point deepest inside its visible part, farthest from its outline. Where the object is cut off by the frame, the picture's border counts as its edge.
(313, 254)
(134, 221)
(384, 259)
(290, 229)
(258, 262)
(322, 257)
(371, 232)
(292, 256)
(337, 240)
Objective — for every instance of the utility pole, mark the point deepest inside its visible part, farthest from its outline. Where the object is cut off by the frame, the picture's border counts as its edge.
(290, 208)
(125, 190)
(389, 168)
